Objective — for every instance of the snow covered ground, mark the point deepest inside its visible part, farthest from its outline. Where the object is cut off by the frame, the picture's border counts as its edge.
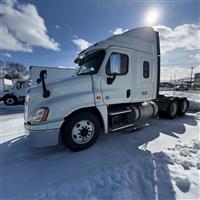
(159, 160)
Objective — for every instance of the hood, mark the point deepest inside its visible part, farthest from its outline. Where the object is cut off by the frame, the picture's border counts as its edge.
(59, 89)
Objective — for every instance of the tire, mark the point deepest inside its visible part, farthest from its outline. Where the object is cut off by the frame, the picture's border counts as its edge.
(183, 105)
(10, 100)
(172, 110)
(80, 132)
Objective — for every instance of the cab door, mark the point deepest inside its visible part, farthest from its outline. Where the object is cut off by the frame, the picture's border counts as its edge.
(116, 81)
(144, 78)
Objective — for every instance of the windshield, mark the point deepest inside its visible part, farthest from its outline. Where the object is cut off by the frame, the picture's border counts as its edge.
(20, 85)
(92, 63)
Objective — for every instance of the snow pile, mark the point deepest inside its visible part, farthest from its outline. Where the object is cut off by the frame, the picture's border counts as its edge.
(186, 155)
(161, 175)
(124, 181)
(184, 166)
(156, 161)
(144, 178)
(13, 124)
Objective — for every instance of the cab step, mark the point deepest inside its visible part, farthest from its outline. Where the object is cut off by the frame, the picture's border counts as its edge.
(122, 127)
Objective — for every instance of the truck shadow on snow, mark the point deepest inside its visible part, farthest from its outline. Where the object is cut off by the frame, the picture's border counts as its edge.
(118, 166)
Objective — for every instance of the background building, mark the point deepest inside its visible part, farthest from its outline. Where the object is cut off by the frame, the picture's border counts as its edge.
(197, 79)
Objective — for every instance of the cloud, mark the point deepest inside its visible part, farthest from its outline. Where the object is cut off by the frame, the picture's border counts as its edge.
(7, 55)
(22, 28)
(118, 31)
(9, 42)
(179, 50)
(168, 73)
(196, 56)
(81, 43)
(57, 26)
(185, 36)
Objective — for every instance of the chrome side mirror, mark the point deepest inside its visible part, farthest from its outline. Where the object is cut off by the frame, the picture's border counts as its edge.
(115, 63)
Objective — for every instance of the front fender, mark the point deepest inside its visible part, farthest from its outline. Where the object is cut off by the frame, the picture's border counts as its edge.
(61, 107)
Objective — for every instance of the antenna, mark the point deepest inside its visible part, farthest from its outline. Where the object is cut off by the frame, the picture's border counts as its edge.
(191, 77)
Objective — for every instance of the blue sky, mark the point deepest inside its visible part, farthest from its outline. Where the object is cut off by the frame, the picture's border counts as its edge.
(51, 33)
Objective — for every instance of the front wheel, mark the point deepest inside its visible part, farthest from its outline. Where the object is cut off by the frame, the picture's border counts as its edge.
(81, 131)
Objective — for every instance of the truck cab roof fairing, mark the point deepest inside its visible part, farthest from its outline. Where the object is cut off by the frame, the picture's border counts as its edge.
(141, 39)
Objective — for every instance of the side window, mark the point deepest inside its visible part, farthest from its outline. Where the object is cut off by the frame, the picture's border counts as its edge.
(22, 85)
(117, 64)
(146, 69)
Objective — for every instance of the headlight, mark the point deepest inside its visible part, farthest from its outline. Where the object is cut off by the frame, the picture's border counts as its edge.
(39, 115)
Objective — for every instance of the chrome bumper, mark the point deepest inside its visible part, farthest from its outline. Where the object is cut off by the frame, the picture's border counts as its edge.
(43, 138)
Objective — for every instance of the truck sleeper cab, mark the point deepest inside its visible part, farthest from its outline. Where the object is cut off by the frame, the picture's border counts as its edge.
(117, 84)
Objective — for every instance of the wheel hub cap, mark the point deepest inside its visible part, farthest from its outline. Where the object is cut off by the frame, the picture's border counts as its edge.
(82, 132)
(10, 101)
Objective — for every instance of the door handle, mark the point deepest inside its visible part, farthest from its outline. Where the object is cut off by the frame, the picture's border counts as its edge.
(128, 93)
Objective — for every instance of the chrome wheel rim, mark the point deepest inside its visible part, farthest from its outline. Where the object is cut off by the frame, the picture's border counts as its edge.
(10, 101)
(83, 132)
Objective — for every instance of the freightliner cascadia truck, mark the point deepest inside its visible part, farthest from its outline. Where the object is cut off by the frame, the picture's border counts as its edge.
(116, 85)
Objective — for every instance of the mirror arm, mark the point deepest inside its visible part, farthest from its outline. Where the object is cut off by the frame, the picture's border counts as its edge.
(46, 93)
(38, 81)
(110, 80)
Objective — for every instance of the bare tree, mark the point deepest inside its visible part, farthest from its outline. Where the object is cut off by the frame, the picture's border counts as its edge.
(15, 70)
(12, 70)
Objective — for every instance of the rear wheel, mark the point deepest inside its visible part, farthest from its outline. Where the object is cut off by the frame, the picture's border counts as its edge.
(81, 131)
(172, 110)
(182, 106)
(10, 100)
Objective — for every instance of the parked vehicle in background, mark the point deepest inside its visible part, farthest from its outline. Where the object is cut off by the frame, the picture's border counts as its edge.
(169, 86)
(116, 85)
(166, 86)
(15, 94)
(5, 84)
(181, 88)
(196, 87)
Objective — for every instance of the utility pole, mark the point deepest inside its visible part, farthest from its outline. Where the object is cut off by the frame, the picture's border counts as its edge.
(191, 76)
(170, 78)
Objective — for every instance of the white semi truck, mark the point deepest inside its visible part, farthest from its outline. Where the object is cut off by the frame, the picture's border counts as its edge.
(5, 84)
(116, 85)
(14, 93)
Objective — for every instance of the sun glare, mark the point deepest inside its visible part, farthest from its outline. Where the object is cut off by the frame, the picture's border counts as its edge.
(152, 16)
